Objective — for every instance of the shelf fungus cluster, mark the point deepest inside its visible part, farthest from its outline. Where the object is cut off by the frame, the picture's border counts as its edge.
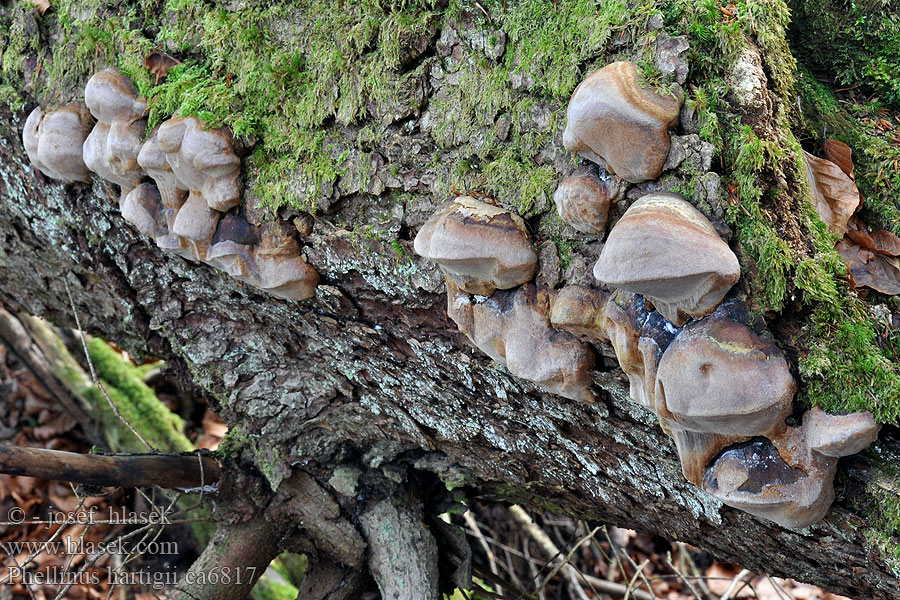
(181, 186)
(488, 262)
(721, 390)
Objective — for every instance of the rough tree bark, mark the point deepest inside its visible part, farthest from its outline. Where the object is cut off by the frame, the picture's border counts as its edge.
(370, 387)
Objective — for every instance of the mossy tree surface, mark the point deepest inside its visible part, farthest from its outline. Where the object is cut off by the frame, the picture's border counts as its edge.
(326, 97)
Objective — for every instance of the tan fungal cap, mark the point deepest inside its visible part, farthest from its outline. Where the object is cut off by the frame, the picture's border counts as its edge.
(765, 478)
(54, 140)
(615, 122)
(478, 246)
(513, 328)
(280, 268)
(143, 208)
(622, 326)
(583, 198)
(196, 223)
(153, 160)
(668, 251)
(112, 148)
(110, 96)
(580, 310)
(839, 435)
(203, 161)
(718, 376)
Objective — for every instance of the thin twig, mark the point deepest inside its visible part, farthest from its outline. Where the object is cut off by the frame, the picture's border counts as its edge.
(692, 567)
(730, 592)
(492, 560)
(21, 570)
(87, 356)
(682, 577)
(599, 585)
(640, 571)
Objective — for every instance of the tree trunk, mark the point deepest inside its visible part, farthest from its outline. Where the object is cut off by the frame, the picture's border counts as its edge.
(370, 377)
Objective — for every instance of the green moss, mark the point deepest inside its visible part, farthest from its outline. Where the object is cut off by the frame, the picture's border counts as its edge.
(838, 345)
(875, 154)
(274, 584)
(135, 401)
(845, 370)
(878, 499)
(862, 38)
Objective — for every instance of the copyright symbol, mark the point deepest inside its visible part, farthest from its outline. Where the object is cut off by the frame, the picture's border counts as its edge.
(16, 515)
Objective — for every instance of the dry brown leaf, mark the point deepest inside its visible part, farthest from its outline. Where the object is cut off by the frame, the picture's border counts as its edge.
(834, 193)
(881, 242)
(214, 430)
(720, 576)
(840, 154)
(868, 269)
(159, 63)
(42, 6)
(62, 423)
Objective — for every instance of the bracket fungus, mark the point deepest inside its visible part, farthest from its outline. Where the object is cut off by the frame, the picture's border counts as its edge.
(719, 381)
(195, 223)
(789, 479)
(280, 269)
(580, 310)
(196, 175)
(232, 247)
(478, 246)
(513, 328)
(143, 208)
(668, 251)
(112, 148)
(615, 122)
(203, 161)
(583, 198)
(638, 337)
(53, 142)
(269, 259)
(153, 160)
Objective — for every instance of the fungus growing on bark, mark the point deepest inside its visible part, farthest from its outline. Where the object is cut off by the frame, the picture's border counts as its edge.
(718, 381)
(839, 435)
(153, 160)
(789, 479)
(615, 122)
(279, 267)
(203, 161)
(196, 223)
(53, 142)
(583, 198)
(513, 328)
(638, 337)
(480, 247)
(668, 251)
(143, 208)
(580, 310)
(755, 477)
(232, 249)
(834, 193)
(112, 148)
